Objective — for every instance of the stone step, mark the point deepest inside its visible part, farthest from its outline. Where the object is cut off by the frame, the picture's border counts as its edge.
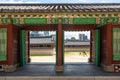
(61, 78)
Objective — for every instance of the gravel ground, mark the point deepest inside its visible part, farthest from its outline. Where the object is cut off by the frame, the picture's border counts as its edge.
(73, 57)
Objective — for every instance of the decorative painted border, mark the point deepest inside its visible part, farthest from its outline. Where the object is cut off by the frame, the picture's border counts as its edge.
(67, 18)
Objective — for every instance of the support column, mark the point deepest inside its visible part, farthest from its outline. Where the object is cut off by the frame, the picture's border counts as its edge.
(91, 46)
(106, 46)
(108, 63)
(29, 60)
(59, 51)
(97, 47)
(109, 44)
(22, 48)
(12, 45)
(27, 46)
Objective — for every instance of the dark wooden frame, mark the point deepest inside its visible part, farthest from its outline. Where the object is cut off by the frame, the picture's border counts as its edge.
(60, 27)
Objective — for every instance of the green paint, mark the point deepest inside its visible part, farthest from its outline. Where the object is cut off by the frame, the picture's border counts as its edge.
(105, 20)
(56, 47)
(22, 48)
(16, 21)
(97, 47)
(116, 44)
(3, 21)
(3, 44)
(65, 20)
(80, 20)
(84, 20)
(54, 20)
(62, 47)
(116, 56)
(3, 57)
(10, 20)
(35, 21)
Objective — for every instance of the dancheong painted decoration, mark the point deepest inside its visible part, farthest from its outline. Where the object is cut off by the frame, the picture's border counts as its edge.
(102, 20)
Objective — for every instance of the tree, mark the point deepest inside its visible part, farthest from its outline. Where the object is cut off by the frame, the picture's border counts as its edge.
(73, 38)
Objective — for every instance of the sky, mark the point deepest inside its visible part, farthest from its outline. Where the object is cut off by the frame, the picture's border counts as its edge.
(60, 1)
(69, 34)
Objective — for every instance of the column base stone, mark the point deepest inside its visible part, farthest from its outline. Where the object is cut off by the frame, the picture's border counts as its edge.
(10, 68)
(59, 68)
(108, 68)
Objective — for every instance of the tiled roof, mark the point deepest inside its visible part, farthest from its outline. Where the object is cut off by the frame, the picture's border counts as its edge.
(44, 40)
(93, 7)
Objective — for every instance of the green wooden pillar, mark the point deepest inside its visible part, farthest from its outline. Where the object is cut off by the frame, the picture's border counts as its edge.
(97, 47)
(62, 47)
(56, 47)
(22, 48)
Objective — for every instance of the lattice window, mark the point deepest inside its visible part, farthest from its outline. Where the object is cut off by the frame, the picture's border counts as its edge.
(3, 44)
(116, 43)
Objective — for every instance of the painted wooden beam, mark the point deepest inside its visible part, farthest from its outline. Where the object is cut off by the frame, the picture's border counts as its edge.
(40, 27)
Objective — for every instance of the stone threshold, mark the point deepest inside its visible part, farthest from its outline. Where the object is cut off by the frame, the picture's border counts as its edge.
(60, 78)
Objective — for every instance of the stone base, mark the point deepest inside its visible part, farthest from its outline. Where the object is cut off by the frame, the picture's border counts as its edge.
(10, 68)
(108, 68)
(90, 60)
(59, 68)
(1, 68)
(29, 60)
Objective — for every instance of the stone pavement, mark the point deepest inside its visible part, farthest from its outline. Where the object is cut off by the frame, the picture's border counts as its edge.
(37, 69)
(46, 71)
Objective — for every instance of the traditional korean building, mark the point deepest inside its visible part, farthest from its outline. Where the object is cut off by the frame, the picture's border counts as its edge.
(102, 20)
(49, 42)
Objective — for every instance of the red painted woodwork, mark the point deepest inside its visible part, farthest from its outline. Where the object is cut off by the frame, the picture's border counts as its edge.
(12, 44)
(73, 27)
(59, 45)
(106, 40)
(16, 45)
(48, 27)
(27, 47)
(65, 27)
(109, 44)
(106, 44)
(92, 46)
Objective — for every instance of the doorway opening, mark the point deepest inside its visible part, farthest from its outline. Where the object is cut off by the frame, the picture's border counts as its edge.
(42, 46)
(77, 46)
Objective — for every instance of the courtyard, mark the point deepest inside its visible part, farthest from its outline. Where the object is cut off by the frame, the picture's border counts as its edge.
(68, 57)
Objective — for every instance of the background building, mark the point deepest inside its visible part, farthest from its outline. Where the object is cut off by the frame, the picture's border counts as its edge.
(83, 37)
